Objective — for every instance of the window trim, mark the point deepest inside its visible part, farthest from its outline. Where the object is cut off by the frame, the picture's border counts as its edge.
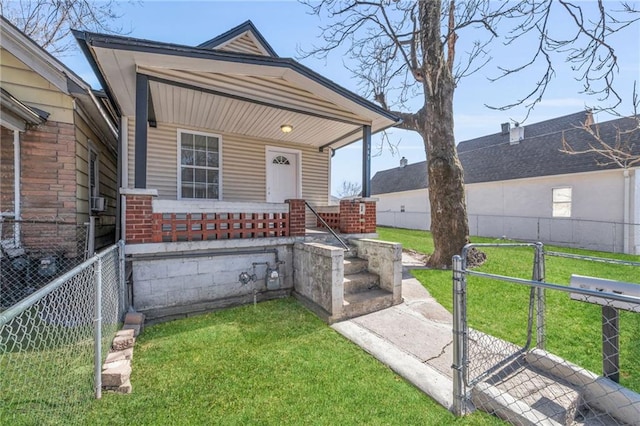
(554, 203)
(179, 163)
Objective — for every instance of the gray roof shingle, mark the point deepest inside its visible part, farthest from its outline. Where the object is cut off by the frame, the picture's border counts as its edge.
(491, 158)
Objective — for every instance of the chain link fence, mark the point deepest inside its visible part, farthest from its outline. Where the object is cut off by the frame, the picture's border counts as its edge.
(568, 232)
(54, 341)
(34, 252)
(573, 358)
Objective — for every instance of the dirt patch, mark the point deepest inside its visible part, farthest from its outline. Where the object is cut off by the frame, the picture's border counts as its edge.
(475, 257)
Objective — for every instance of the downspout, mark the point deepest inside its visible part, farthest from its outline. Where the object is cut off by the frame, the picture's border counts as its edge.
(626, 217)
(16, 188)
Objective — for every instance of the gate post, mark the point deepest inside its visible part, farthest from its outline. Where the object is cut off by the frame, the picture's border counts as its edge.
(539, 275)
(459, 335)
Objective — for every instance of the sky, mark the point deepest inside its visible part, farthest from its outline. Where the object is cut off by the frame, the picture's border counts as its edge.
(288, 26)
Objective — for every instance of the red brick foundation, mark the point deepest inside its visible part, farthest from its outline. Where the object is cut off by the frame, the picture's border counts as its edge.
(351, 219)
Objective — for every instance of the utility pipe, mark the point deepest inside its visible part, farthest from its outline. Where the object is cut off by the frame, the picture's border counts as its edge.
(626, 248)
(16, 188)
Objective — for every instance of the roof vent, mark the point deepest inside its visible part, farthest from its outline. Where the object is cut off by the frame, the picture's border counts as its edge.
(403, 162)
(516, 134)
(505, 128)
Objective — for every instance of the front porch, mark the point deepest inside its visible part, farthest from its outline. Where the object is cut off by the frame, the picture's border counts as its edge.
(190, 257)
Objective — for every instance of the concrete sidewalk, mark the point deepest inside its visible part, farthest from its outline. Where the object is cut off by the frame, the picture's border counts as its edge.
(413, 338)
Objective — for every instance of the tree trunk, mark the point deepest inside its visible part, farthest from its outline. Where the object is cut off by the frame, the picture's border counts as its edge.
(449, 225)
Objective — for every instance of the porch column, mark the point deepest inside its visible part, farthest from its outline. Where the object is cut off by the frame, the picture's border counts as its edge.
(366, 161)
(142, 118)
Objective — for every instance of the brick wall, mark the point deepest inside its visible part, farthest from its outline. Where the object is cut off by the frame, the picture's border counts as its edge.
(48, 175)
(6, 170)
(352, 222)
(297, 217)
(139, 219)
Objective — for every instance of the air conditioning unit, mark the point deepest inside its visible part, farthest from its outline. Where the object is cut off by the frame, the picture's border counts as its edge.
(97, 204)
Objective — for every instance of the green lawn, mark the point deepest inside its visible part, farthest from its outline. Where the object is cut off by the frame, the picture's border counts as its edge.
(499, 308)
(275, 363)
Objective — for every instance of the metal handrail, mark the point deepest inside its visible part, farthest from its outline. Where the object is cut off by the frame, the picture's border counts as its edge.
(326, 225)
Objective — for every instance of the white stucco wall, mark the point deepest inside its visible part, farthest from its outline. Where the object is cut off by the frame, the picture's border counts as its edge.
(416, 209)
(522, 209)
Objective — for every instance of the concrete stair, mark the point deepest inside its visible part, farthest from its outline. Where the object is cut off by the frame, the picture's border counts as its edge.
(524, 395)
(362, 292)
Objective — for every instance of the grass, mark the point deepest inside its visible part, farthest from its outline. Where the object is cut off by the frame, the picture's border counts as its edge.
(274, 363)
(498, 308)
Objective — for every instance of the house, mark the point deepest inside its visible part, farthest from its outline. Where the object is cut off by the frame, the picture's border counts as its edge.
(58, 147)
(224, 151)
(520, 185)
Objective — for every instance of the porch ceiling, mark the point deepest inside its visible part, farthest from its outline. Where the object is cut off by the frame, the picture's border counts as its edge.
(239, 95)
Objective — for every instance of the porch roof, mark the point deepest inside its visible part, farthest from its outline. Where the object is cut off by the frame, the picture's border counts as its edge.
(231, 92)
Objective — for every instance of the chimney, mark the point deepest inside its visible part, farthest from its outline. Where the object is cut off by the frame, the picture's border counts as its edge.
(516, 134)
(505, 128)
(403, 162)
(588, 120)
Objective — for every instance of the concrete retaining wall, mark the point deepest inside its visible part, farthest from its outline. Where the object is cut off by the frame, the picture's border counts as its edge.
(385, 260)
(319, 277)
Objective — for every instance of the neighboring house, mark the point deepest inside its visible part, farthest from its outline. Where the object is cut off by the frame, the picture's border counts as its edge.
(520, 185)
(57, 156)
(221, 145)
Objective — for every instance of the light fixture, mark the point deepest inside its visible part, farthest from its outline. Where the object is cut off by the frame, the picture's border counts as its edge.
(286, 128)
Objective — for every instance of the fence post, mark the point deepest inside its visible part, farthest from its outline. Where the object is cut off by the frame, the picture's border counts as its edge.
(539, 275)
(121, 280)
(91, 238)
(97, 335)
(459, 289)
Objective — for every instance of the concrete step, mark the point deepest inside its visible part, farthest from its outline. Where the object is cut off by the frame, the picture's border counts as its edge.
(357, 304)
(522, 394)
(355, 265)
(362, 281)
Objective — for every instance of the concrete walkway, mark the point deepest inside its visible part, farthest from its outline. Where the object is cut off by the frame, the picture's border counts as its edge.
(413, 338)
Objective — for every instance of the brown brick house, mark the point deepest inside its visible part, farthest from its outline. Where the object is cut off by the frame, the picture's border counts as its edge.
(58, 146)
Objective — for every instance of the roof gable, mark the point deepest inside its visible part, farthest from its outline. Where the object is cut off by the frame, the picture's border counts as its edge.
(245, 38)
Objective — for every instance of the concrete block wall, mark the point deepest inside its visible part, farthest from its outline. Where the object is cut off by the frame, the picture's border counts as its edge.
(319, 277)
(385, 260)
(187, 282)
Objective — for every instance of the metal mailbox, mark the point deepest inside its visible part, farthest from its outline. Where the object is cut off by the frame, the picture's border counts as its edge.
(606, 286)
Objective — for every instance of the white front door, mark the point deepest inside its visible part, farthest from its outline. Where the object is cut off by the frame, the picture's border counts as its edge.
(283, 174)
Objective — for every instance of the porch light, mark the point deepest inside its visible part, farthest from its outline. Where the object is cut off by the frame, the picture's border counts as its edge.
(286, 128)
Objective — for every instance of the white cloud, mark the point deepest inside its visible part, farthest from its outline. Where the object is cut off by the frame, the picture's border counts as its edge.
(562, 103)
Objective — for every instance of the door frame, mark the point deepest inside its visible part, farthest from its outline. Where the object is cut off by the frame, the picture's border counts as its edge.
(298, 155)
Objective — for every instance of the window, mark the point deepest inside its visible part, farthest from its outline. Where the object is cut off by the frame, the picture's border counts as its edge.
(199, 174)
(281, 159)
(561, 202)
(402, 208)
(94, 173)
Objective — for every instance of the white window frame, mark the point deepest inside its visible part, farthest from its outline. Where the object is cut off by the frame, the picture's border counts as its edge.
(92, 150)
(555, 203)
(179, 163)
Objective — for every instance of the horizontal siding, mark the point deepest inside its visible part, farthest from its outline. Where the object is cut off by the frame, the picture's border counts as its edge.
(243, 165)
(242, 44)
(32, 89)
(107, 168)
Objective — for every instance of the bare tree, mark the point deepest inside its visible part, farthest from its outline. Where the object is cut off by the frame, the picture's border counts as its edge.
(349, 189)
(617, 144)
(49, 22)
(405, 51)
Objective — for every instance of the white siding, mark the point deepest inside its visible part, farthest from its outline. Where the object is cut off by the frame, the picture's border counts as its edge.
(243, 165)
